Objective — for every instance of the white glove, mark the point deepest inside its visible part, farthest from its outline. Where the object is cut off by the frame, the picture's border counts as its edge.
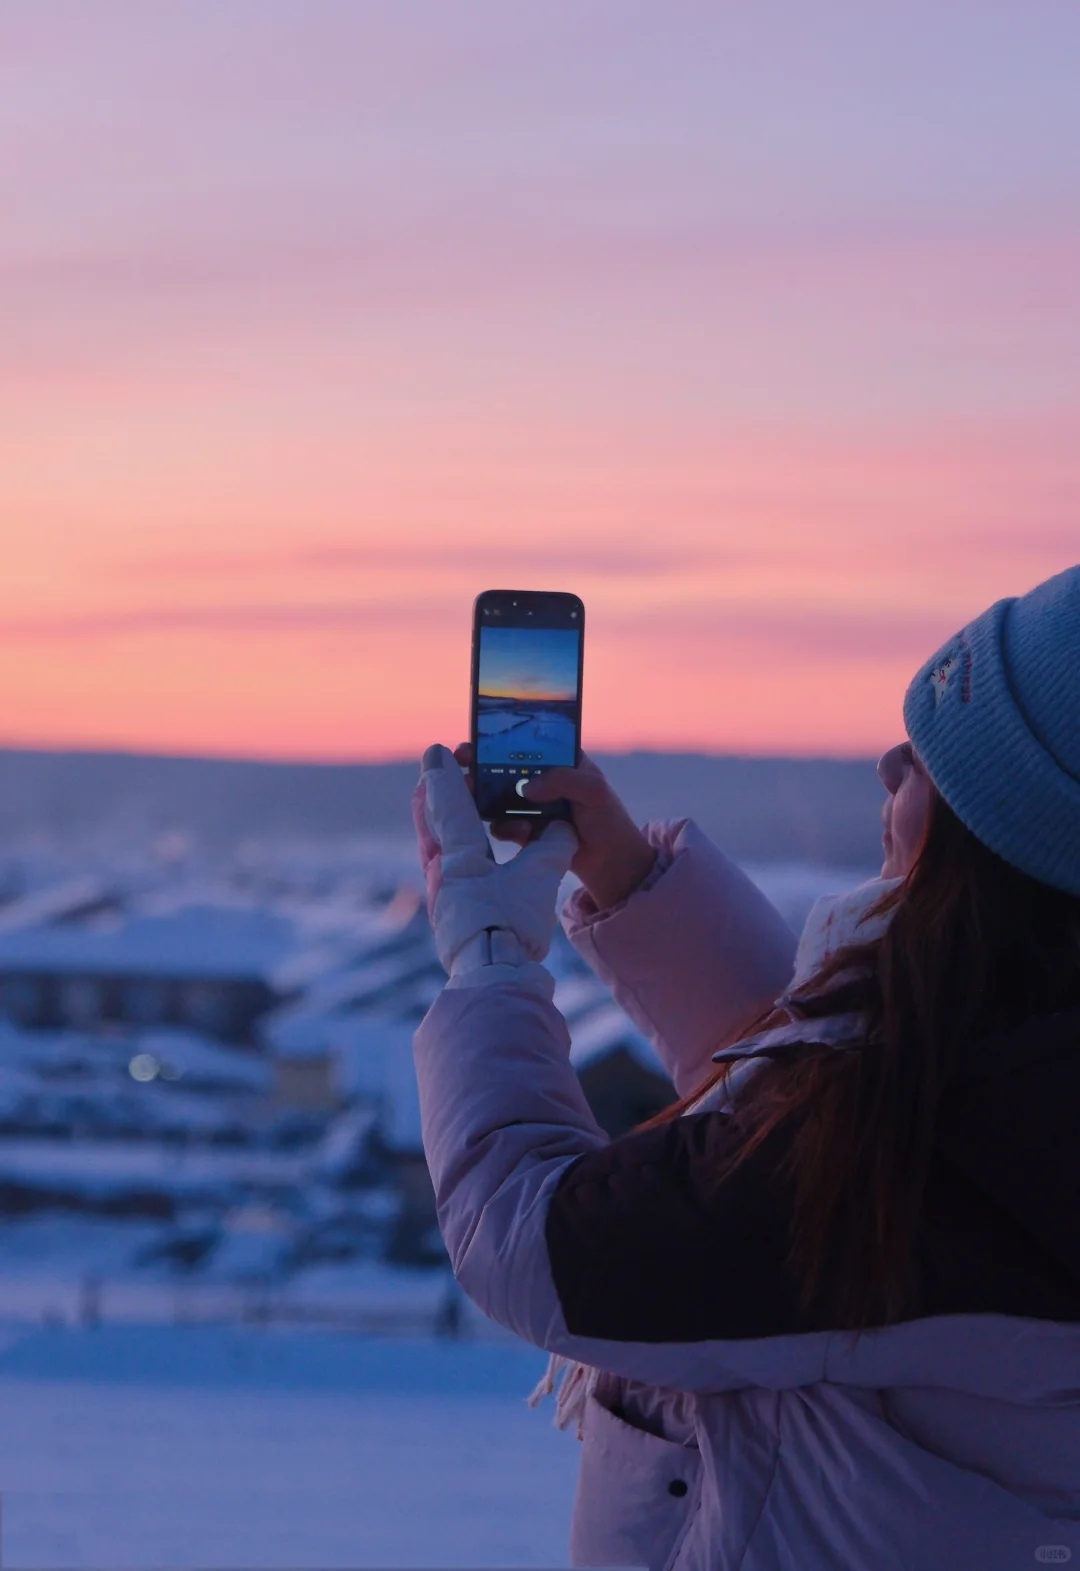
(483, 912)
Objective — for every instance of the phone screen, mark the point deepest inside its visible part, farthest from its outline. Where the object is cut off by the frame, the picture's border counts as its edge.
(527, 665)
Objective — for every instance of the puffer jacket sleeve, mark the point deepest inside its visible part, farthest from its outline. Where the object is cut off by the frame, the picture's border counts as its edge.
(591, 1248)
(692, 956)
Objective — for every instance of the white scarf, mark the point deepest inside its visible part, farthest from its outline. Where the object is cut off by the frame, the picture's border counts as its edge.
(834, 922)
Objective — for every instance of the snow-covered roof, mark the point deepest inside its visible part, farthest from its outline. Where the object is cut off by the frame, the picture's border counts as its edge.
(603, 1031)
(306, 1025)
(58, 900)
(203, 942)
(341, 937)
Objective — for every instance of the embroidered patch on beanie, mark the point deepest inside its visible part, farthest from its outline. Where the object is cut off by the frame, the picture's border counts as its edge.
(952, 671)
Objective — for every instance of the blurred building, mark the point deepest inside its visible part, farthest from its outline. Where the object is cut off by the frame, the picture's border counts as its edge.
(226, 1074)
(213, 969)
(620, 1074)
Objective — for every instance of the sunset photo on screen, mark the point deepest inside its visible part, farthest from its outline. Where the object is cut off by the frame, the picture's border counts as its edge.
(528, 694)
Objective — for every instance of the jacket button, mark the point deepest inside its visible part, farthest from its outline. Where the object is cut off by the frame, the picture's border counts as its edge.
(678, 1487)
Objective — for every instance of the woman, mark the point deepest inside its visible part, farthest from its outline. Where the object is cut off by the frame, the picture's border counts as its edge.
(826, 1315)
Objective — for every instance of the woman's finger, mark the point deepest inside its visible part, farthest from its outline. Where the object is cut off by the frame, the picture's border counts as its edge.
(584, 786)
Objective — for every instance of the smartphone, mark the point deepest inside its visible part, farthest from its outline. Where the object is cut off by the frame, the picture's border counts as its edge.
(527, 659)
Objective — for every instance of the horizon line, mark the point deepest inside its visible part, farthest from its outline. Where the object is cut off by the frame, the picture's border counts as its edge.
(119, 750)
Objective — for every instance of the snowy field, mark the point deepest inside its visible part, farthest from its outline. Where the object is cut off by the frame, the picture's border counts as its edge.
(150, 1446)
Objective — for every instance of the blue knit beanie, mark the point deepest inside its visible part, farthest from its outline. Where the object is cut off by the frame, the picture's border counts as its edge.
(995, 717)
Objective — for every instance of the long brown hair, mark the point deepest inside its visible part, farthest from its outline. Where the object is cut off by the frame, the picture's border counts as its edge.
(973, 947)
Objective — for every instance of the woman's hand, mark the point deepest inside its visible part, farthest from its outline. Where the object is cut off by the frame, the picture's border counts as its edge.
(483, 913)
(613, 856)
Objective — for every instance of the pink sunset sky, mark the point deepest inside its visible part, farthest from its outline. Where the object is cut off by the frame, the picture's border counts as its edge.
(756, 326)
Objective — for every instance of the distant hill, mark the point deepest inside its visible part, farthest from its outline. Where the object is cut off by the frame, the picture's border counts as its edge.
(760, 809)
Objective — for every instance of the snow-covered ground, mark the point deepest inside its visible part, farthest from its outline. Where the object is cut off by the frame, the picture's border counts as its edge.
(64, 1272)
(165, 1406)
(230, 1447)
